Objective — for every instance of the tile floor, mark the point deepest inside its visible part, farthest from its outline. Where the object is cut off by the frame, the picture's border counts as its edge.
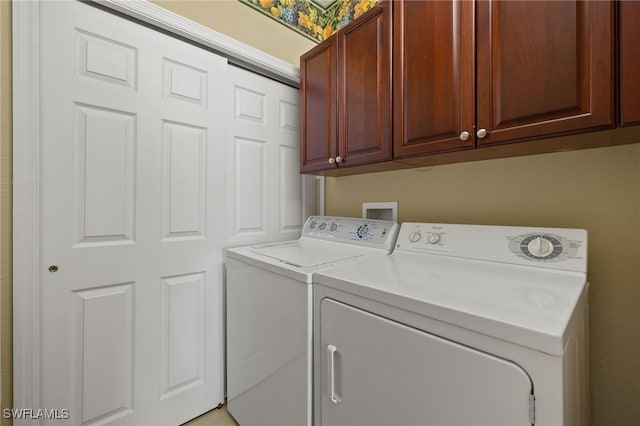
(217, 417)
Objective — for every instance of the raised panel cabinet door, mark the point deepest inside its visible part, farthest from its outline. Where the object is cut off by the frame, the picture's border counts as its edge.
(629, 21)
(364, 86)
(434, 95)
(543, 68)
(318, 106)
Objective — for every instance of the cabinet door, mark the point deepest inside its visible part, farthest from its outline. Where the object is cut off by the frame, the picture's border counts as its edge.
(318, 106)
(365, 88)
(380, 372)
(543, 67)
(629, 62)
(433, 89)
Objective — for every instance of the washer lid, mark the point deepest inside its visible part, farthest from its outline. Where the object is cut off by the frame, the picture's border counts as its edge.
(304, 255)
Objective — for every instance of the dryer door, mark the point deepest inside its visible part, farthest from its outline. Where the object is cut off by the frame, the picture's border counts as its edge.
(380, 372)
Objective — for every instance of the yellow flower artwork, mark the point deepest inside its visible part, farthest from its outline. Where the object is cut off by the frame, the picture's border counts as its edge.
(315, 19)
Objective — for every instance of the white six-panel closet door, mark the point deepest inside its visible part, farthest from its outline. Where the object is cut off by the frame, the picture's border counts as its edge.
(133, 212)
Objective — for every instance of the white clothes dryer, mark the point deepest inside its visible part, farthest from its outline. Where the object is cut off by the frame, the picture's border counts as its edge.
(460, 325)
(269, 314)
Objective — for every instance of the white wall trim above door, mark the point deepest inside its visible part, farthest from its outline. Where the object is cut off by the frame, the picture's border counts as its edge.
(236, 52)
(26, 161)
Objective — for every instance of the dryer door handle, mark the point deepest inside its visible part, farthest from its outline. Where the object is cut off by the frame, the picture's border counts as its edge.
(331, 374)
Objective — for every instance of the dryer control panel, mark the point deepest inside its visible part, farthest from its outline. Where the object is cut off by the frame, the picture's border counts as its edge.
(553, 248)
(366, 232)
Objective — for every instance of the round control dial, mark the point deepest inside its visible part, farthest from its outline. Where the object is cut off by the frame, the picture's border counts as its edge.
(415, 236)
(434, 238)
(541, 247)
(333, 227)
(363, 231)
(322, 226)
(313, 225)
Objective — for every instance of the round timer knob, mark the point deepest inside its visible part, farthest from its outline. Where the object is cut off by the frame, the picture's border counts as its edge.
(433, 238)
(415, 236)
(540, 247)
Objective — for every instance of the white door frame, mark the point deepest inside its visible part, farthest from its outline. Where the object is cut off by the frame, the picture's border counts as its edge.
(26, 162)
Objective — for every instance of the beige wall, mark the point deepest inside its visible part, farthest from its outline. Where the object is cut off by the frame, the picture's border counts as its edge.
(5, 208)
(244, 24)
(596, 189)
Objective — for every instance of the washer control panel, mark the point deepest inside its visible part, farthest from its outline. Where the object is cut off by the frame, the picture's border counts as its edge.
(549, 247)
(353, 230)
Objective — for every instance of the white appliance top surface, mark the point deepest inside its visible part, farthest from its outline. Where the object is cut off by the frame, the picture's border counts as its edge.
(299, 259)
(326, 241)
(307, 253)
(527, 305)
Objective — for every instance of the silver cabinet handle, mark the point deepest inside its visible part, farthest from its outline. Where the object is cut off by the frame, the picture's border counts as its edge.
(332, 160)
(339, 159)
(482, 133)
(464, 135)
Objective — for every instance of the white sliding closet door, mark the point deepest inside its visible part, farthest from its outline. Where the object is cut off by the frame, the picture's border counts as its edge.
(268, 198)
(132, 200)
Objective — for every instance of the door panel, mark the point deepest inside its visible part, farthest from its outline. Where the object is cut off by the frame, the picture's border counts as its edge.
(183, 315)
(543, 67)
(265, 188)
(105, 320)
(364, 88)
(104, 176)
(434, 76)
(383, 372)
(319, 106)
(133, 126)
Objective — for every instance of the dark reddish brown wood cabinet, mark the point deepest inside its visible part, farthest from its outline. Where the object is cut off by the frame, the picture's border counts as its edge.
(541, 68)
(434, 69)
(629, 24)
(345, 95)
(319, 106)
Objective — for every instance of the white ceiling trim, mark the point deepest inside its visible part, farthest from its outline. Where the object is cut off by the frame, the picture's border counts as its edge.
(236, 52)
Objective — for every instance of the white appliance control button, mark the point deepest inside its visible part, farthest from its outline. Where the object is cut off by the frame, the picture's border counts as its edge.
(415, 236)
(434, 238)
(322, 226)
(313, 225)
(540, 247)
(333, 227)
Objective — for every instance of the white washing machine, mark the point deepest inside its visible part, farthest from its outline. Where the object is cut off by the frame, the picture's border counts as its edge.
(269, 314)
(460, 325)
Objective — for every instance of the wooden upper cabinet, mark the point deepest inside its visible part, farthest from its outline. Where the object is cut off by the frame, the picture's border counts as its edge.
(543, 68)
(629, 24)
(318, 106)
(450, 77)
(346, 95)
(364, 87)
(433, 85)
